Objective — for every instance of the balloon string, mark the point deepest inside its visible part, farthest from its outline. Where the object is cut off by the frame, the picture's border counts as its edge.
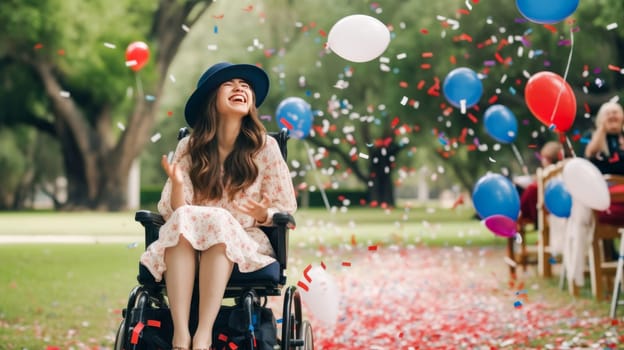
(520, 160)
(139, 85)
(316, 177)
(569, 143)
(565, 76)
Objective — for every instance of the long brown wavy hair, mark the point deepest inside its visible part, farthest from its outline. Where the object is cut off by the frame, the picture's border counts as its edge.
(239, 168)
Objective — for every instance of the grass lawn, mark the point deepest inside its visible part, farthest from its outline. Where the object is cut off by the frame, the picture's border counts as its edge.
(55, 294)
(72, 294)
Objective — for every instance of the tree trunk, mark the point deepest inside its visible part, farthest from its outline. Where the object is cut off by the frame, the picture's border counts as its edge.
(381, 187)
(96, 168)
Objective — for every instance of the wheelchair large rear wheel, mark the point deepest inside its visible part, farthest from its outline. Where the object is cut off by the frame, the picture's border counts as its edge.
(304, 332)
(120, 337)
(296, 333)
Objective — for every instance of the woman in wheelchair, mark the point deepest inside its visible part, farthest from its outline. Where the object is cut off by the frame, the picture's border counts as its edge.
(226, 179)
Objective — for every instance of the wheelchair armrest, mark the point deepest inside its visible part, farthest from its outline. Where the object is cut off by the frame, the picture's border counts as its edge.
(278, 235)
(152, 222)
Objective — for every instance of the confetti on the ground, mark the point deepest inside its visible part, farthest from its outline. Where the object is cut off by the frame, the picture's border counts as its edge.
(446, 298)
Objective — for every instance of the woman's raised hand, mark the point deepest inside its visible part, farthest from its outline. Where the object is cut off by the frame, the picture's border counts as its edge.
(255, 209)
(172, 171)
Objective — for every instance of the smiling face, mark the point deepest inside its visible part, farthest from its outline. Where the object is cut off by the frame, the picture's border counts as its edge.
(235, 97)
(612, 118)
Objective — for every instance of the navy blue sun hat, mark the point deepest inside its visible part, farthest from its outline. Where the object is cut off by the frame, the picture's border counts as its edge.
(219, 73)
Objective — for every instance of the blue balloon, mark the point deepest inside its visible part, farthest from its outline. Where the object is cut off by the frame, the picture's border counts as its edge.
(494, 194)
(501, 123)
(462, 84)
(546, 11)
(295, 114)
(557, 199)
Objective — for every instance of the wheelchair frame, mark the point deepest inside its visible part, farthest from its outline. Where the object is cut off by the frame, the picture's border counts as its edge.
(242, 287)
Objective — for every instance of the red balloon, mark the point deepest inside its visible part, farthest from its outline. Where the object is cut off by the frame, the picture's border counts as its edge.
(551, 100)
(137, 55)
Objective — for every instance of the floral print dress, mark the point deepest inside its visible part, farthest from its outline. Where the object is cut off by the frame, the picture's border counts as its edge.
(218, 221)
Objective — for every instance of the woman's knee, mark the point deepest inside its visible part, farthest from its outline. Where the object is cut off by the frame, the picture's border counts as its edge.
(218, 248)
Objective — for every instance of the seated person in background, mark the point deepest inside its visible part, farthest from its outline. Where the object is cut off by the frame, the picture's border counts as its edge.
(550, 153)
(606, 147)
(605, 150)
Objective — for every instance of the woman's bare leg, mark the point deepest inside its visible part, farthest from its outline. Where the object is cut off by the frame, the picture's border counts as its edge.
(180, 275)
(214, 272)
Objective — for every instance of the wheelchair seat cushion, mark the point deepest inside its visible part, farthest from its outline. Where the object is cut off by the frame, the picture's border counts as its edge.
(269, 274)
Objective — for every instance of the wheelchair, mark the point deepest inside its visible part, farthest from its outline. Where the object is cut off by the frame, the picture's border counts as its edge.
(147, 319)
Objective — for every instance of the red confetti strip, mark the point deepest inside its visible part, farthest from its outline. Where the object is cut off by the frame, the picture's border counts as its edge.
(434, 90)
(463, 135)
(614, 68)
(551, 28)
(615, 158)
(372, 248)
(502, 44)
(286, 123)
(394, 122)
(306, 271)
(346, 263)
(463, 37)
(136, 332)
(153, 323)
(499, 58)
(303, 286)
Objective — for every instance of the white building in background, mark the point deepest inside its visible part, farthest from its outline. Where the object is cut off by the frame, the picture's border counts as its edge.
(134, 186)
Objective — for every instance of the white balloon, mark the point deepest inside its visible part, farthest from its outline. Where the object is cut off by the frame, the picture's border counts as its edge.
(358, 38)
(586, 184)
(322, 296)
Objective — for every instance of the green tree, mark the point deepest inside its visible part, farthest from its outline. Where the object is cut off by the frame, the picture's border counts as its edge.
(72, 83)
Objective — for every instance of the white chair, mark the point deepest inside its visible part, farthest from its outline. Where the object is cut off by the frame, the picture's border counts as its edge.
(618, 283)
